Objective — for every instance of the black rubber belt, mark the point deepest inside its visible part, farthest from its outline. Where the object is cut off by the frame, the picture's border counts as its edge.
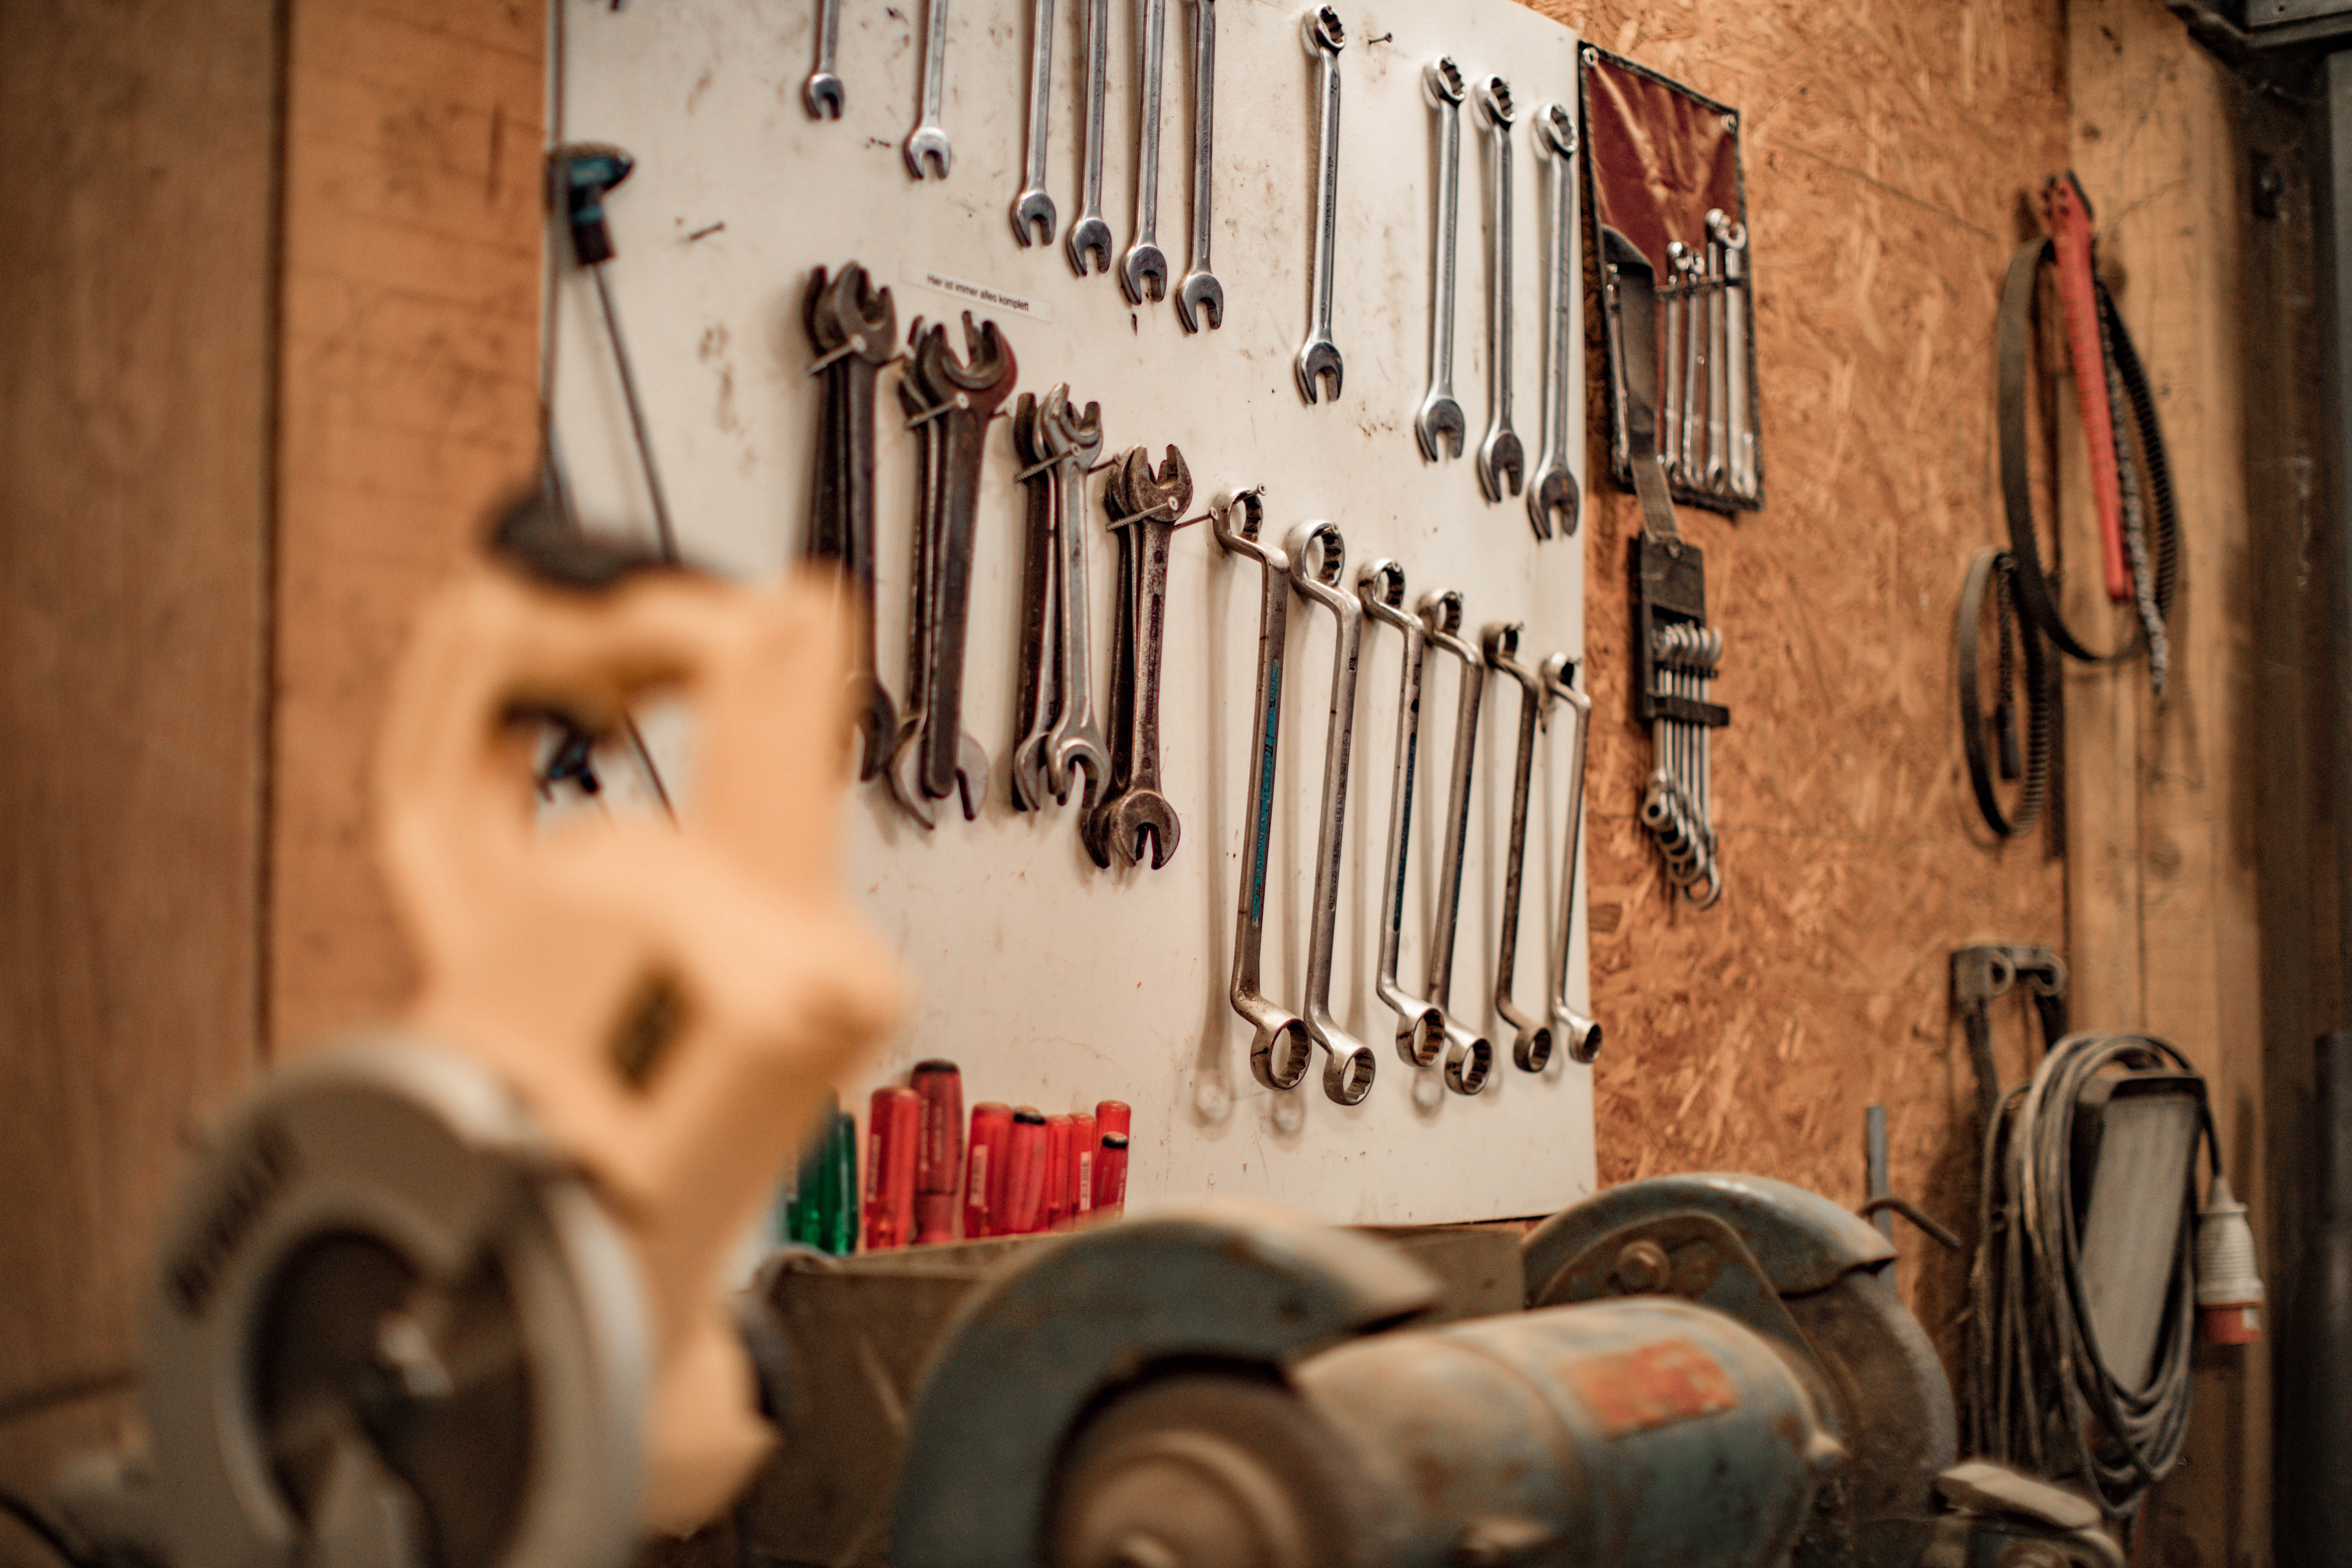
(2039, 697)
(2035, 601)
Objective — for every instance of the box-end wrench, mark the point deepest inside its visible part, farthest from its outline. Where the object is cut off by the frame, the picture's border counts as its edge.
(1137, 809)
(1553, 491)
(1501, 463)
(1072, 440)
(1531, 1042)
(1739, 414)
(857, 326)
(822, 93)
(1319, 356)
(1670, 422)
(1089, 236)
(1143, 270)
(1317, 559)
(1037, 686)
(1572, 1028)
(1200, 298)
(926, 144)
(1469, 1056)
(1718, 440)
(1032, 210)
(1420, 1027)
(1282, 1049)
(1438, 423)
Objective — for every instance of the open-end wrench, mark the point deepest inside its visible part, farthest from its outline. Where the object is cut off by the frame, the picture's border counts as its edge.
(1032, 210)
(1671, 407)
(1143, 270)
(1579, 1033)
(822, 93)
(1420, 1027)
(856, 326)
(1145, 510)
(1469, 1056)
(926, 146)
(1719, 441)
(1037, 685)
(1438, 423)
(1317, 558)
(1200, 298)
(1501, 464)
(1089, 236)
(1553, 491)
(1282, 1049)
(1072, 440)
(904, 770)
(1319, 356)
(1737, 414)
(1531, 1043)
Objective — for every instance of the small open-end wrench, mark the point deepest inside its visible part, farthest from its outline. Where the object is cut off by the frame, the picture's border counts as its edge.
(1282, 1049)
(1669, 416)
(1143, 270)
(1501, 464)
(822, 93)
(1469, 1056)
(1145, 510)
(1317, 559)
(1718, 398)
(1037, 684)
(1553, 491)
(1319, 356)
(904, 770)
(927, 148)
(1200, 298)
(1072, 440)
(1738, 413)
(857, 326)
(1420, 1027)
(1531, 1043)
(1438, 423)
(1032, 210)
(1580, 1034)
(1089, 236)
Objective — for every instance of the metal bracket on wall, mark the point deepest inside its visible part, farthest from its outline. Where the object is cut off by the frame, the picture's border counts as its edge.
(1981, 974)
(2272, 43)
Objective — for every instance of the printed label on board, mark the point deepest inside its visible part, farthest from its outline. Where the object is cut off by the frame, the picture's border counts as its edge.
(1655, 1386)
(978, 295)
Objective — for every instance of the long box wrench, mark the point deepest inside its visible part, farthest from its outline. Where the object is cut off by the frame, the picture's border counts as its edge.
(1318, 560)
(1678, 266)
(1037, 684)
(1438, 423)
(1739, 413)
(1319, 356)
(1144, 510)
(1580, 1034)
(1502, 465)
(1692, 406)
(1200, 298)
(1072, 440)
(1421, 1027)
(1469, 1056)
(1531, 1043)
(969, 392)
(1282, 1049)
(854, 328)
(1718, 395)
(1552, 489)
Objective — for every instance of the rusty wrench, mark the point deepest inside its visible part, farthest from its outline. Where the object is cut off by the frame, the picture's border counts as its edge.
(1531, 1044)
(1421, 1027)
(1580, 1034)
(1036, 688)
(1469, 1056)
(1145, 508)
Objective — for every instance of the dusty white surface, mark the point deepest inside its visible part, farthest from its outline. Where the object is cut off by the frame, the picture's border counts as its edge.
(1050, 982)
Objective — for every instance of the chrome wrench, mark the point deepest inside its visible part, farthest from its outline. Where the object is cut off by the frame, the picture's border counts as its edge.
(927, 144)
(1719, 441)
(1738, 413)
(1032, 210)
(1319, 356)
(1143, 270)
(1693, 367)
(1580, 1034)
(1317, 557)
(1469, 1056)
(1438, 423)
(1671, 406)
(1282, 1049)
(1500, 460)
(1073, 441)
(1531, 1044)
(1421, 1027)
(822, 93)
(1089, 236)
(1553, 487)
(1200, 299)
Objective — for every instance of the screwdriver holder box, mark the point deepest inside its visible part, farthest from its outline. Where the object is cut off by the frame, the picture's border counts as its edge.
(1049, 981)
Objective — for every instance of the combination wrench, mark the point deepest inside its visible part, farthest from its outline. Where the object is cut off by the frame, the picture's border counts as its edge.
(1145, 510)
(1438, 423)
(1580, 1034)
(1671, 409)
(1500, 461)
(1089, 236)
(1553, 490)
(1035, 686)
(1032, 210)
(1072, 441)
(1420, 1027)
(1693, 390)
(1469, 1056)
(1317, 558)
(1719, 443)
(1200, 298)
(927, 144)
(1282, 1049)
(1737, 414)
(1531, 1043)
(1319, 356)
(822, 93)
(1143, 270)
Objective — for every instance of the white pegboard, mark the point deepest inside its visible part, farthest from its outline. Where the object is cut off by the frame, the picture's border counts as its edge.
(1051, 982)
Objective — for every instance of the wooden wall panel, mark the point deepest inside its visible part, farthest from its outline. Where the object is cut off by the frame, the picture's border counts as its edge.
(410, 325)
(137, 166)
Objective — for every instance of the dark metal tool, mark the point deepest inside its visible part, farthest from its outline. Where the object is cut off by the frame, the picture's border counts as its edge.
(1144, 508)
(854, 329)
(1035, 690)
(1531, 1045)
